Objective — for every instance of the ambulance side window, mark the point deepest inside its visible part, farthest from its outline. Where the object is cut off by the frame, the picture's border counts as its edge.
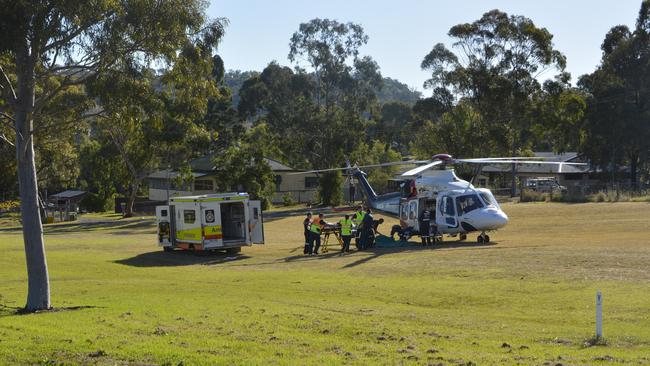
(189, 216)
(405, 211)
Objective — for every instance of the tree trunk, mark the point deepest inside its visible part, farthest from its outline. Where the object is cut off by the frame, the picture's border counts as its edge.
(128, 210)
(38, 293)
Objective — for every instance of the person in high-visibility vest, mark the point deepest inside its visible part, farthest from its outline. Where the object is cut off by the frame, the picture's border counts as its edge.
(346, 233)
(358, 220)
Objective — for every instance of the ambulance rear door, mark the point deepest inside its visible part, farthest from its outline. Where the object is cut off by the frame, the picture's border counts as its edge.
(165, 219)
(256, 222)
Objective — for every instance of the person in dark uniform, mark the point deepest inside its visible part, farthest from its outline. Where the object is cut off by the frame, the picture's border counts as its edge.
(375, 225)
(425, 227)
(367, 233)
(305, 224)
(352, 192)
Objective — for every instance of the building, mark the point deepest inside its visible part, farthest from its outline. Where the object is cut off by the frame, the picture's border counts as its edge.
(64, 206)
(162, 184)
(577, 178)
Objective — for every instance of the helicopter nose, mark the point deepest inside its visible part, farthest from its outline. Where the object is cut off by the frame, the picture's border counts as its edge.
(496, 219)
(501, 219)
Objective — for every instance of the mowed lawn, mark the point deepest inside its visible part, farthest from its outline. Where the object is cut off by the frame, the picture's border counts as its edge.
(526, 298)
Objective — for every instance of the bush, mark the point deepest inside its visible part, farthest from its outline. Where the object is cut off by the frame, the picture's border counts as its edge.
(599, 197)
(569, 198)
(11, 205)
(330, 192)
(528, 195)
(288, 200)
(95, 203)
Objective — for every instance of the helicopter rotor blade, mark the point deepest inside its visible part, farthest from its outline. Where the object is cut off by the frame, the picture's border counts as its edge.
(422, 168)
(491, 161)
(393, 163)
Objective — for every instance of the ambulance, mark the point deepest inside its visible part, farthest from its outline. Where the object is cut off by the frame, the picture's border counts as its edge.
(223, 221)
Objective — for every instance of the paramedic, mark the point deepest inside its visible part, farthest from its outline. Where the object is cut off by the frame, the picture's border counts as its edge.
(315, 229)
(305, 224)
(346, 233)
(425, 227)
(367, 237)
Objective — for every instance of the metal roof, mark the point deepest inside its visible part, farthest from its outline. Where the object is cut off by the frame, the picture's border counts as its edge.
(170, 174)
(68, 194)
(204, 166)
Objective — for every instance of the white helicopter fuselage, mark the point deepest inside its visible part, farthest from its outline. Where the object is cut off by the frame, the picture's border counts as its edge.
(457, 207)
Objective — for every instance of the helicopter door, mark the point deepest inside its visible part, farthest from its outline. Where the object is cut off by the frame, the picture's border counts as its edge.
(413, 214)
(446, 217)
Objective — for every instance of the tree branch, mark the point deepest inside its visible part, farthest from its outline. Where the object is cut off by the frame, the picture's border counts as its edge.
(5, 139)
(8, 82)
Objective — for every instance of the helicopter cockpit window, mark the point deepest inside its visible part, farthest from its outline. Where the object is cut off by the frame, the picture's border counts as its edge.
(468, 203)
(489, 199)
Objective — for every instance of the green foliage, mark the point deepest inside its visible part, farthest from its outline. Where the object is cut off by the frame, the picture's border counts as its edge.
(96, 203)
(330, 188)
(288, 200)
(617, 130)
(373, 153)
(528, 195)
(243, 168)
(502, 54)
(10, 205)
(393, 90)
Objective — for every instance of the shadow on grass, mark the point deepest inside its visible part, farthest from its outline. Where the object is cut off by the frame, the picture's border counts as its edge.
(14, 311)
(90, 226)
(377, 252)
(179, 258)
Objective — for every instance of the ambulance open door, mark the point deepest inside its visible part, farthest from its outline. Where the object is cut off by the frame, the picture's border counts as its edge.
(256, 223)
(165, 218)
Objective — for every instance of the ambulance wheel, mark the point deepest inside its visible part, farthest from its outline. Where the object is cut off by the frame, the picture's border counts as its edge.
(233, 250)
(168, 249)
(480, 239)
(487, 238)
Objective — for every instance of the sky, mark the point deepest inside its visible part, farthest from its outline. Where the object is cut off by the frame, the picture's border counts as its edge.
(402, 32)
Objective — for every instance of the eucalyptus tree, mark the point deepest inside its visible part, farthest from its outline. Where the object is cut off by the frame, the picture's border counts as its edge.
(496, 65)
(76, 40)
(618, 128)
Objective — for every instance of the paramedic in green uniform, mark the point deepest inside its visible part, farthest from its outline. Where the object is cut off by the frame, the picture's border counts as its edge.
(346, 233)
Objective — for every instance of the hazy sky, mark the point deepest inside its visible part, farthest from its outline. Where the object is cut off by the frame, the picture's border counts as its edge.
(403, 32)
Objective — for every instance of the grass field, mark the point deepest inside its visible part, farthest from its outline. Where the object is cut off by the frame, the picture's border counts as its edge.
(526, 298)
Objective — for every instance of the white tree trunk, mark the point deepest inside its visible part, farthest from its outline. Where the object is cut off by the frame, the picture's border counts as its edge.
(38, 292)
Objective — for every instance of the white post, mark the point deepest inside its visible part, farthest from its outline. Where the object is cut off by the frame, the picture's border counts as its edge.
(599, 315)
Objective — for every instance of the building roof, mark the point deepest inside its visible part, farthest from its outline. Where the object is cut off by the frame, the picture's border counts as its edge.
(551, 156)
(68, 194)
(203, 166)
(170, 174)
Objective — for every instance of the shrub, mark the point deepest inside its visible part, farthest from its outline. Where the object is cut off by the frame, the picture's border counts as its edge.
(567, 197)
(599, 197)
(95, 203)
(11, 205)
(330, 192)
(288, 200)
(528, 195)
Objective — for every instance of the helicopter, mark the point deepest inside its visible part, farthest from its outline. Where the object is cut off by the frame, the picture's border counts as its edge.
(457, 207)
